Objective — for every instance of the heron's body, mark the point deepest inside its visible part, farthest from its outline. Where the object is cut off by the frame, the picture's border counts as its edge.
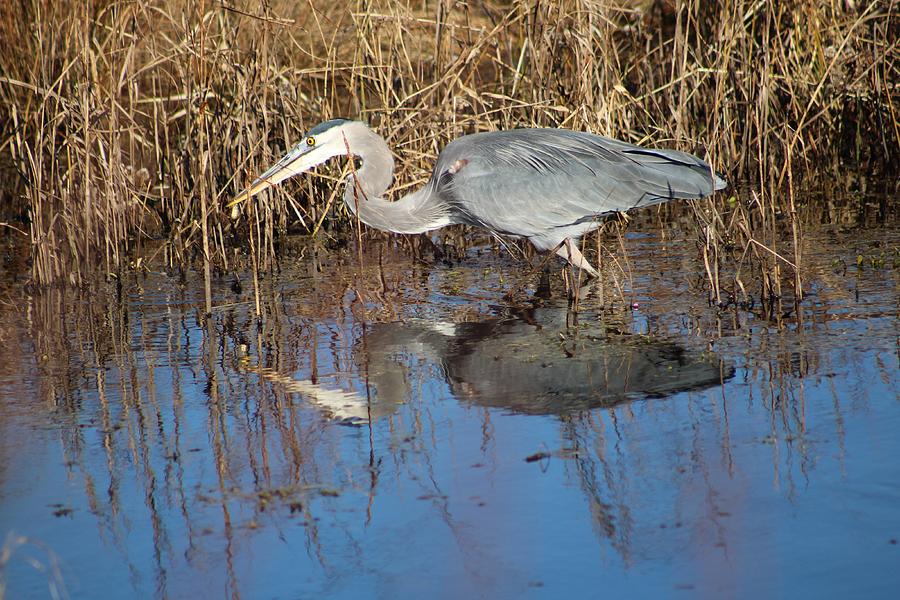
(550, 186)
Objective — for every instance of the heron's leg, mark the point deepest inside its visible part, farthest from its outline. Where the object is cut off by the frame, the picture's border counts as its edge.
(569, 251)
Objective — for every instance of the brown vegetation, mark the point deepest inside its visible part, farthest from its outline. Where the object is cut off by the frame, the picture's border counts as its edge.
(124, 121)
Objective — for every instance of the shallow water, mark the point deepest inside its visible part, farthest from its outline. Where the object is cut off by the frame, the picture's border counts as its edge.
(395, 429)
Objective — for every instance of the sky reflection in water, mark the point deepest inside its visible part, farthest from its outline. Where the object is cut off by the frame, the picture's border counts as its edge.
(370, 437)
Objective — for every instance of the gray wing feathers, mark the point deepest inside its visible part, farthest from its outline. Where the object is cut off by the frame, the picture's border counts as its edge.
(528, 181)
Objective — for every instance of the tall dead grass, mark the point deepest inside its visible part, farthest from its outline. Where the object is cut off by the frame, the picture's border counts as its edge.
(125, 121)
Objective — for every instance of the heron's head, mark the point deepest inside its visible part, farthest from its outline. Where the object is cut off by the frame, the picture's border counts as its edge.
(325, 140)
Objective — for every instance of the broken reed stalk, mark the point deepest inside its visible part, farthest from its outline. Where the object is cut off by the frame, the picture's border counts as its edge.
(121, 122)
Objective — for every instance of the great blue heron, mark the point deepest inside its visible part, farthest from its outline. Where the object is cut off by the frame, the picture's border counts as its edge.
(550, 186)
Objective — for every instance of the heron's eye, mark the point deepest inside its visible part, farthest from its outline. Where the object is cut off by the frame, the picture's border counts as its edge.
(310, 141)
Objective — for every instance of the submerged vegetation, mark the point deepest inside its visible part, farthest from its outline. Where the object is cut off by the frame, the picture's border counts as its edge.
(124, 122)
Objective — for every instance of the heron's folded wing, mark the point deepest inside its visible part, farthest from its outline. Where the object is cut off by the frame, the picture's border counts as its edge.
(528, 181)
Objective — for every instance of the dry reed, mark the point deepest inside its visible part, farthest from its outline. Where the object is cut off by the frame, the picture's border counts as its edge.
(124, 121)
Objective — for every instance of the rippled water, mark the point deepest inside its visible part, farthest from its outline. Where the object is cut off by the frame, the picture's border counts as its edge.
(396, 429)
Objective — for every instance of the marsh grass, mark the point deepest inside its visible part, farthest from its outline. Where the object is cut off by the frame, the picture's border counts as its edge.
(123, 121)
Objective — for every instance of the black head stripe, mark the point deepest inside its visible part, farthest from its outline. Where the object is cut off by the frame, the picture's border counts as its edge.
(323, 127)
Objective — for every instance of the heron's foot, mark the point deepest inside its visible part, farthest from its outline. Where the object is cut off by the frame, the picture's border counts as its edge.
(543, 285)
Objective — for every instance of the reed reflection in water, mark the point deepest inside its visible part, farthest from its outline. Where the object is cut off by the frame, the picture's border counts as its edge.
(369, 438)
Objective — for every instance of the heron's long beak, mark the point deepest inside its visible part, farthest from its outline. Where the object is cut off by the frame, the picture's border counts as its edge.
(301, 158)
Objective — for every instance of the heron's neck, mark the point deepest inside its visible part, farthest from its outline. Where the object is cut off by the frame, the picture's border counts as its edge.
(417, 212)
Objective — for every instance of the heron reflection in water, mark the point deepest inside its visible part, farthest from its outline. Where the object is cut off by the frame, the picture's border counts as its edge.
(550, 186)
(532, 361)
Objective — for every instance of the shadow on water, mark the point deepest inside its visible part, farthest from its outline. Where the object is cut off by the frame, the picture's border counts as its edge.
(392, 419)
